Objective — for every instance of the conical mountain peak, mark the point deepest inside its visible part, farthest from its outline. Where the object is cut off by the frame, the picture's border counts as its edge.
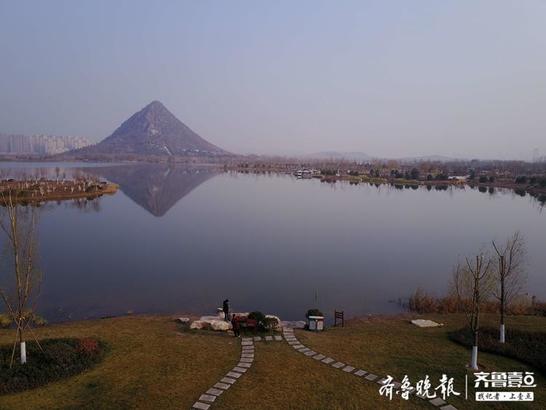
(154, 130)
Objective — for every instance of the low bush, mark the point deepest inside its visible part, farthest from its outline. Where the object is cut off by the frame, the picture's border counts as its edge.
(313, 312)
(422, 302)
(60, 358)
(528, 347)
(260, 319)
(6, 320)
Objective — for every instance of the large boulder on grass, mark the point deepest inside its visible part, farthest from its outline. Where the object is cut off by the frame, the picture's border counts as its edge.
(199, 324)
(209, 318)
(220, 325)
(426, 323)
(211, 323)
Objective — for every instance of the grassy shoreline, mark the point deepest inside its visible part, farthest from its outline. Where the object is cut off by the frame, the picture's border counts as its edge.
(154, 363)
(33, 195)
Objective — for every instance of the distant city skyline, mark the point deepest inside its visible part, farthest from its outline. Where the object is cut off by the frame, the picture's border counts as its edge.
(40, 144)
(463, 79)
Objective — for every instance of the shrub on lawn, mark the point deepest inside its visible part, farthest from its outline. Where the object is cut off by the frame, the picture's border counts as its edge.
(260, 319)
(5, 321)
(528, 347)
(61, 358)
(313, 312)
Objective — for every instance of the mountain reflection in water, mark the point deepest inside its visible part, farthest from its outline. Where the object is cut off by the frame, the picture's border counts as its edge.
(156, 188)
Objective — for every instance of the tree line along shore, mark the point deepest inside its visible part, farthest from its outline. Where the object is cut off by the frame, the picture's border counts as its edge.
(521, 177)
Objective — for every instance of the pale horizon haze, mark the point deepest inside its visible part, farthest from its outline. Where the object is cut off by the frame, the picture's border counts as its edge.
(464, 79)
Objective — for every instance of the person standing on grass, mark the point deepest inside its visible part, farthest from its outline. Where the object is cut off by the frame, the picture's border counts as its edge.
(236, 326)
(225, 308)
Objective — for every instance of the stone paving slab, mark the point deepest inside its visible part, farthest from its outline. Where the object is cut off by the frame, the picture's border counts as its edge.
(338, 365)
(269, 338)
(235, 375)
(437, 402)
(246, 339)
(214, 392)
(207, 397)
(242, 364)
(246, 343)
(319, 357)
(239, 369)
(257, 338)
(246, 360)
(278, 338)
(309, 353)
(304, 349)
(360, 373)
(371, 377)
(293, 342)
(228, 380)
(348, 369)
(298, 346)
(200, 406)
(328, 360)
(223, 386)
(448, 407)
(248, 355)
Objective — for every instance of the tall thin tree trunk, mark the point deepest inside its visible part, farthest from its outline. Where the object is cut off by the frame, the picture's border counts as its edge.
(23, 346)
(476, 327)
(474, 360)
(502, 299)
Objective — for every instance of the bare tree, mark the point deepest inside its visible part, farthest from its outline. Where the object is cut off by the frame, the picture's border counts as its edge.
(473, 286)
(510, 274)
(19, 223)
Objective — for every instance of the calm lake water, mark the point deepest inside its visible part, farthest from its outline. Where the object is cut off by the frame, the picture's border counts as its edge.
(178, 240)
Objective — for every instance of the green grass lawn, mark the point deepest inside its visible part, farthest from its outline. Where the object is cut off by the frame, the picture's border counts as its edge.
(150, 365)
(282, 378)
(394, 346)
(154, 364)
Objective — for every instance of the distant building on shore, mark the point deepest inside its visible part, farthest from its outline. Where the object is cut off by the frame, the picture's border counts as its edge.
(11, 144)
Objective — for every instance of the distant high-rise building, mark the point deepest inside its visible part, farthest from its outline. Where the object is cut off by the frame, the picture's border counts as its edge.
(536, 155)
(11, 144)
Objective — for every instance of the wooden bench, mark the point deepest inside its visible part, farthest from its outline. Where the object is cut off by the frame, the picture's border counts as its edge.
(339, 315)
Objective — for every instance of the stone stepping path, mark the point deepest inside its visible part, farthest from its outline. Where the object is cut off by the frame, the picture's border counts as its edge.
(207, 399)
(288, 334)
(268, 338)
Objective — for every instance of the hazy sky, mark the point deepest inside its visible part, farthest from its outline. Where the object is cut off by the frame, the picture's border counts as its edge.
(389, 78)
